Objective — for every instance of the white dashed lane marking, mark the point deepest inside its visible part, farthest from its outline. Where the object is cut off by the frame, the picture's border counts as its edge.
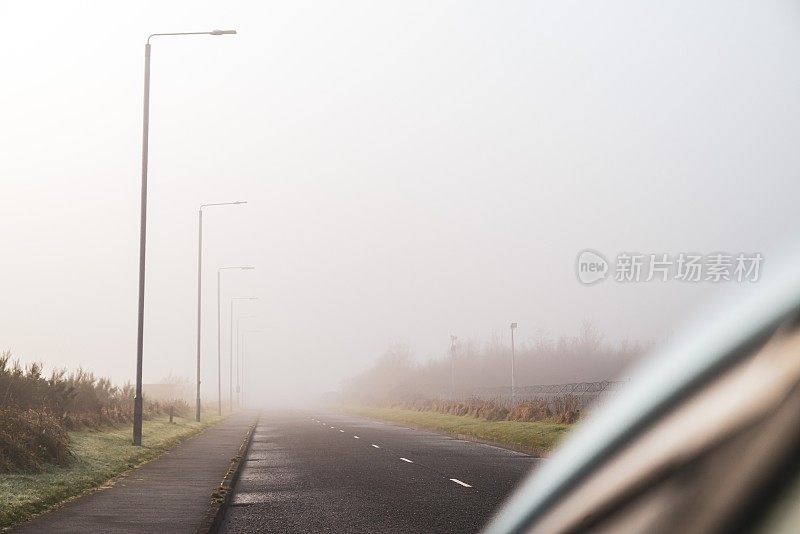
(457, 481)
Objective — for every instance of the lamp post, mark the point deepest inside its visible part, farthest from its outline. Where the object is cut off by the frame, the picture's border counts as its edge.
(244, 347)
(453, 365)
(238, 361)
(230, 353)
(219, 335)
(138, 401)
(513, 358)
(200, 285)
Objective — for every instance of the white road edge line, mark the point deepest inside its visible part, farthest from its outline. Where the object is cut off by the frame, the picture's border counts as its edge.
(459, 482)
(407, 460)
(375, 446)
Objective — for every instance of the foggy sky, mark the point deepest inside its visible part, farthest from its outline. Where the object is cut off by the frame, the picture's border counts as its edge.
(413, 170)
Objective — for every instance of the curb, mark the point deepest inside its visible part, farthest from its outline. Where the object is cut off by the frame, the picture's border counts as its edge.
(222, 495)
(533, 452)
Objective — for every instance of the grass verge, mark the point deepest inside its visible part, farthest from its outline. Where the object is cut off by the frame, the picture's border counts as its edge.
(538, 438)
(98, 456)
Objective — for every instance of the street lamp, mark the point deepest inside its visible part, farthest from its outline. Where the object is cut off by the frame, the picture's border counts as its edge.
(138, 401)
(200, 285)
(513, 358)
(452, 365)
(243, 354)
(219, 335)
(238, 360)
(230, 353)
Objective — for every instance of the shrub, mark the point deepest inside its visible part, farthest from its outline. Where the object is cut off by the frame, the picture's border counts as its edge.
(563, 409)
(29, 438)
(36, 411)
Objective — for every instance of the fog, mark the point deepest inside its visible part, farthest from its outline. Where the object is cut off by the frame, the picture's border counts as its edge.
(413, 170)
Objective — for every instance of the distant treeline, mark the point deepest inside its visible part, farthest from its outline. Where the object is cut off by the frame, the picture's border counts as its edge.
(397, 377)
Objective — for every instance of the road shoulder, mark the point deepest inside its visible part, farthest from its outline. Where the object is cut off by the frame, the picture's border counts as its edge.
(537, 439)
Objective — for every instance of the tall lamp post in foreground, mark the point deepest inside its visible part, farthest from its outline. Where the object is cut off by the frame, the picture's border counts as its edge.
(238, 361)
(513, 358)
(219, 333)
(137, 401)
(200, 286)
(244, 346)
(230, 353)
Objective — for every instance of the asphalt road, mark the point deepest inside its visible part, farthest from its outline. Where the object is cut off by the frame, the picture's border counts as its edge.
(314, 472)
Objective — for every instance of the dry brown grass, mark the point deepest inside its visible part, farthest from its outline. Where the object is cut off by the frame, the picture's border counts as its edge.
(30, 438)
(565, 409)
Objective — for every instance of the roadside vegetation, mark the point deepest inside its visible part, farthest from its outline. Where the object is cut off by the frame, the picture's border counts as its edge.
(96, 456)
(562, 409)
(37, 411)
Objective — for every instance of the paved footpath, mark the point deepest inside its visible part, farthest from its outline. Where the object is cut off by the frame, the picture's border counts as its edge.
(169, 494)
